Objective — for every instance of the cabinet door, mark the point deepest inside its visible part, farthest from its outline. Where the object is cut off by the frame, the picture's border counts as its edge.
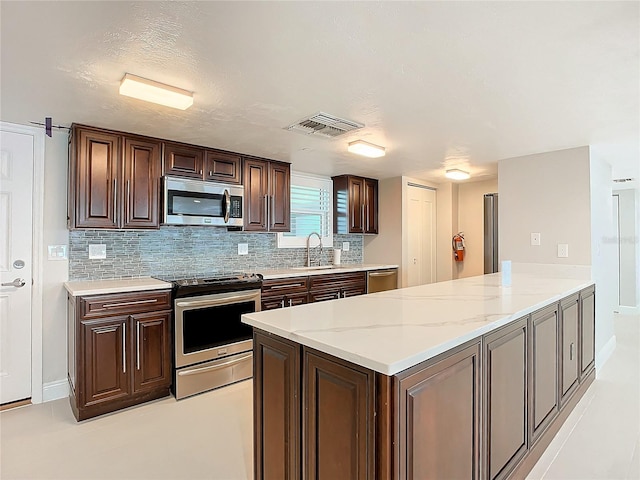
(356, 205)
(438, 409)
(279, 197)
(276, 407)
(353, 290)
(587, 331)
(324, 295)
(506, 398)
(106, 355)
(223, 167)
(294, 299)
(543, 377)
(183, 161)
(371, 205)
(568, 347)
(141, 184)
(152, 356)
(97, 179)
(256, 177)
(338, 430)
(273, 302)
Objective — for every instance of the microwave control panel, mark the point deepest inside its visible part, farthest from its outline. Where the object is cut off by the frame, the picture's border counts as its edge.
(236, 207)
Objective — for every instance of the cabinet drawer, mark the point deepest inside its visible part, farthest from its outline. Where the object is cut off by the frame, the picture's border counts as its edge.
(284, 286)
(322, 282)
(124, 303)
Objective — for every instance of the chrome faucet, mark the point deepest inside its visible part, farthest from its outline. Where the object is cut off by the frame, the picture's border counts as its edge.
(320, 256)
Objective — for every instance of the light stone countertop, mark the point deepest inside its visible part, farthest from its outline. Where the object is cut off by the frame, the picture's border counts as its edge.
(295, 272)
(391, 331)
(98, 287)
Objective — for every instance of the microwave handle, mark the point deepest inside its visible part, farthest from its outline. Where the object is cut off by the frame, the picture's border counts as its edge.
(227, 205)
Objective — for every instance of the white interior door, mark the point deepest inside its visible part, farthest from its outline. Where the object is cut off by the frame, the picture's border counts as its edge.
(421, 236)
(16, 185)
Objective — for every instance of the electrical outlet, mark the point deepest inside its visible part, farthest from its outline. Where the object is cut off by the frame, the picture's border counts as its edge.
(97, 251)
(57, 252)
(243, 249)
(563, 250)
(535, 239)
(345, 246)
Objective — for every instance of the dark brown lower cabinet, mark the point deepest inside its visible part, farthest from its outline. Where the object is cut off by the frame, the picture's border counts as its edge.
(505, 406)
(338, 429)
(439, 418)
(587, 331)
(543, 381)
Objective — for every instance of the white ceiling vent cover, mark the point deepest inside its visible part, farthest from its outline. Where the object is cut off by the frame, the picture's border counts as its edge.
(324, 125)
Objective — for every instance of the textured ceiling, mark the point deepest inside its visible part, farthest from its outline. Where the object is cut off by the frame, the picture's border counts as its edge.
(461, 84)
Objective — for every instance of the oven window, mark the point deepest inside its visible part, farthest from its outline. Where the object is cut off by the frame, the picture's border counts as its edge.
(211, 327)
(195, 204)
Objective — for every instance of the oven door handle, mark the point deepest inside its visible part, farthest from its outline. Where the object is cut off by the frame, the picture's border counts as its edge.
(214, 302)
(196, 371)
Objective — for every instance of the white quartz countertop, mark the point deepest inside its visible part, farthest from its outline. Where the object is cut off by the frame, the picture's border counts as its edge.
(391, 331)
(97, 287)
(297, 272)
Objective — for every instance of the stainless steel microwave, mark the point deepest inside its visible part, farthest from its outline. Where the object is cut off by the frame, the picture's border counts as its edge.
(195, 202)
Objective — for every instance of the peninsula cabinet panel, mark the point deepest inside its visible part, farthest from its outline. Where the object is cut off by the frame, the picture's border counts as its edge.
(141, 184)
(105, 360)
(505, 377)
(339, 413)
(152, 350)
(277, 398)
(223, 167)
(587, 331)
(94, 177)
(543, 380)
(183, 160)
(438, 409)
(569, 369)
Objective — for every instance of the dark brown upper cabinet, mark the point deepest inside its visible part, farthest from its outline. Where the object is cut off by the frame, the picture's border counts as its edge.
(183, 160)
(267, 194)
(223, 167)
(114, 180)
(355, 204)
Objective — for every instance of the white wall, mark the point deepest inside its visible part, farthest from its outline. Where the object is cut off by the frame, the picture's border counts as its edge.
(54, 318)
(629, 219)
(446, 226)
(471, 222)
(546, 193)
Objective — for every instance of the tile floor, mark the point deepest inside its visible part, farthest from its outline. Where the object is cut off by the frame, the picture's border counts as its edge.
(209, 436)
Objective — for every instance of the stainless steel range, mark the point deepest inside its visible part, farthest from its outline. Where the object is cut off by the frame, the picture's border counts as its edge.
(212, 347)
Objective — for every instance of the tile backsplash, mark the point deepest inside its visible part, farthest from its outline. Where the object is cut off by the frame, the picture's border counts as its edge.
(188, 251)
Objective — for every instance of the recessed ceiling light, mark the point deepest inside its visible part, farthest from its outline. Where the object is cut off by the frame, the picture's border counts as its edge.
(360, 147)
(155, 92)
(456, 174)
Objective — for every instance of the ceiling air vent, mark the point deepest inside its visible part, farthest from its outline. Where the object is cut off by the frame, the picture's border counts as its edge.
(324, 125)
(622, 180)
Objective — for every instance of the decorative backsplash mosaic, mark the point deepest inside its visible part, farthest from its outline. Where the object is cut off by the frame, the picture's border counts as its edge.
(189, 251)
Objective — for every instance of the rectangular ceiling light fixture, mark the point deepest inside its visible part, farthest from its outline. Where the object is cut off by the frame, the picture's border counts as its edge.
(456, 174)
(155, 92)
(360, 147)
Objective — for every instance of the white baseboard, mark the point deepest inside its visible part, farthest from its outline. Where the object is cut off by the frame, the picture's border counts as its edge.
(605, 353)
(628, 310)
(55, 390)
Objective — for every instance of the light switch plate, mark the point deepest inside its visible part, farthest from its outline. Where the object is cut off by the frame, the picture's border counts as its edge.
(345, 246)
(563, 250)
(57, 252)
(535, 239)
(97, 251)
(243, 249)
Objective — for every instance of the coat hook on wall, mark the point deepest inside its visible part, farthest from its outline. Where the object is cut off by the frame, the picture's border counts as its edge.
(48, 125)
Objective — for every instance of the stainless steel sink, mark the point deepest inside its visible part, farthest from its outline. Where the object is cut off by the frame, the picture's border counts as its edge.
(317, 267)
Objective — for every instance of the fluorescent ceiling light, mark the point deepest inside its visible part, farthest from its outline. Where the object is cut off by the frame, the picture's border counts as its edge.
(361, 147)
(456, 174)
(155, 92)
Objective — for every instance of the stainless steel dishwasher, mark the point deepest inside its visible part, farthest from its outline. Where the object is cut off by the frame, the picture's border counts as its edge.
(381, 280)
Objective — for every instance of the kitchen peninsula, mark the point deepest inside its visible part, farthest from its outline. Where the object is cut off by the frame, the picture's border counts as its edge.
(459, 379)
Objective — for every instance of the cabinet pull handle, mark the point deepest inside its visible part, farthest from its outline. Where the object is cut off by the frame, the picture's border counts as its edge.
(211, 173)
(288, 285)
(115, 198)
(128, 192)
(289, 302)
(571, 352)
(124, 304)
(282, 303)
(363, 217)
(266, 212)
(124, 347)
(138, 345)
(200, 171)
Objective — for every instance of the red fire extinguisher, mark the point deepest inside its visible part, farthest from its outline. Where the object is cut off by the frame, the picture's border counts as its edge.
(457, 243)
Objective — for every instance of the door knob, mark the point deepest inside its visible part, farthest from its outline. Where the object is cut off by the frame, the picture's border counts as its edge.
(18, 282)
